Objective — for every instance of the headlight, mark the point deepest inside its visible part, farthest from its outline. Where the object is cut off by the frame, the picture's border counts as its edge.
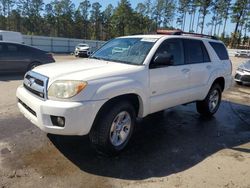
(64, 89)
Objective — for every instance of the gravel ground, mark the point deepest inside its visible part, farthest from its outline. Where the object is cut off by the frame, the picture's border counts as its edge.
(179, 149)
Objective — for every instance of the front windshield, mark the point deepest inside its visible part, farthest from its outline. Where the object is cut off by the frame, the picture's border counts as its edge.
(82, 45)
(125, 50)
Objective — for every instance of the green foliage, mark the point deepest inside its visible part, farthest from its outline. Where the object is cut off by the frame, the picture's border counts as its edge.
(61, 18)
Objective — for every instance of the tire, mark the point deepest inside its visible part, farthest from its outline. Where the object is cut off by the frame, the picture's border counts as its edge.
(209, 106)
(239, 83)
(33, 65)
(106, 132)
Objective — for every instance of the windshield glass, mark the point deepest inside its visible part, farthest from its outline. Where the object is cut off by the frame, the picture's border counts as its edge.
(82, 45)
(125, 50)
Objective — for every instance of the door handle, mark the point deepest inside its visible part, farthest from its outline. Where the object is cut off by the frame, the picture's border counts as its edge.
(185, 71)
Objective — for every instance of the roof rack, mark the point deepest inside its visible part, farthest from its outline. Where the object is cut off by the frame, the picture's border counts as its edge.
(180, 32)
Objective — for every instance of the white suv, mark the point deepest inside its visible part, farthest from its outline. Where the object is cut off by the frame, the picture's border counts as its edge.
(103, 95)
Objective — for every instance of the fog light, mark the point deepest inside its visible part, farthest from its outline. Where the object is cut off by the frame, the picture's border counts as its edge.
(58, 121)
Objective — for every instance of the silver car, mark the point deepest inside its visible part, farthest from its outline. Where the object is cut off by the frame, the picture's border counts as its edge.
(243, 73)
(82, 50)
(242, 53)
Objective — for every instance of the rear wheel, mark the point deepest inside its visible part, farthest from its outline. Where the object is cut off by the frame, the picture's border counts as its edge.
(113, 129)
(211, 103)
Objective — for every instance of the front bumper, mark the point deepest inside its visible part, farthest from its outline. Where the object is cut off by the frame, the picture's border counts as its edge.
(79, 116)
(82, 53)
(242, 76)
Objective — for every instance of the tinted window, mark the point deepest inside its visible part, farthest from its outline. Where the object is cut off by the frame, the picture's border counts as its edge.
(1, 48)
(173, 49)
(1, 37)
(195, 51)
(206, 57)
(12, 48)
(35, 50)
(220, 50)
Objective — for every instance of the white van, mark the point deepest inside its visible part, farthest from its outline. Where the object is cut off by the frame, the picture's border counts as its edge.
(11, 36)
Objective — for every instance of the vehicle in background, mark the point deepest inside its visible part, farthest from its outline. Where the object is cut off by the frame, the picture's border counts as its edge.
(11, 36)
(16, 57)
(82, 50)
(127, 78)
(242, 53)
(242, 74)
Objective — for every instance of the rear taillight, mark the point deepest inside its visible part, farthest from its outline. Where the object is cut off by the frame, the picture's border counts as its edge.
(50, 57)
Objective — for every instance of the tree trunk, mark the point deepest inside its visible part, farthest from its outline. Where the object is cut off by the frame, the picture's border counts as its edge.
(224, 27)
(190, 23)
(239, 38)
(198, 22)
(218, 33)
(202, 25)
(212, 28)
(236, 29)
(193, 21)
(184, 21)
(215, 25)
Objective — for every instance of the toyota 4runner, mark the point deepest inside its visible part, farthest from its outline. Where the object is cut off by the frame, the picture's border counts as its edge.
(128, 77)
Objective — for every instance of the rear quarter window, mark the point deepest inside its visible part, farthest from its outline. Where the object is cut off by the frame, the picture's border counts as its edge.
(220, 50)
(195, 51)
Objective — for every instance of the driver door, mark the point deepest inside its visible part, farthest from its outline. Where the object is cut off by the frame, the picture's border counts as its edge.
(169, 84)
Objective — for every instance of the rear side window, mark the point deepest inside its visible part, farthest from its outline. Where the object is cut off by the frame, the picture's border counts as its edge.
(35, 51)
(195, 52)
(1, 48)
(220, 50)
(12, 48)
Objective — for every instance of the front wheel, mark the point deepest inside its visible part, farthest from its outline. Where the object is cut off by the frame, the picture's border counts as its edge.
(114, 128)
(211, 103)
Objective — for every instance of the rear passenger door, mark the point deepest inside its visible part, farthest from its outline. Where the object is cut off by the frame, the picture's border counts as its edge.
(3, 65)
(197, 57)
(16, 60)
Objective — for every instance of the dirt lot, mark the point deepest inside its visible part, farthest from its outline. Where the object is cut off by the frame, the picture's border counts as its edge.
(180, 149)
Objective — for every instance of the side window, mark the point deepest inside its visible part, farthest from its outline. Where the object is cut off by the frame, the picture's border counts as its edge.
(1, 37)
(25, 49)
(195, 51)
(220, 50)
(206, 57)
(173, 49)
(1, 48)
(11, 48)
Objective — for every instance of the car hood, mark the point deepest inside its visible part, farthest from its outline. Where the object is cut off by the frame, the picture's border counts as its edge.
(245, 65)
(86, 70)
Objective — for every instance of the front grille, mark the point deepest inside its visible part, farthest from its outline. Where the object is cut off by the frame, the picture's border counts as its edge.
(245, 78)
(26, 107)
(36, 84)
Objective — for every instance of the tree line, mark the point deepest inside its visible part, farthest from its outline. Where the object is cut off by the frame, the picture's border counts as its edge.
(62, 18)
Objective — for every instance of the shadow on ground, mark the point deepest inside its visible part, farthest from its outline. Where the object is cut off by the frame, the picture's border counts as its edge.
(163, 145)
(11, 76)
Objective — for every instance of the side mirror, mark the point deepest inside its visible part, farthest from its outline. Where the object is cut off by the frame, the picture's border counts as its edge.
(163, 60)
